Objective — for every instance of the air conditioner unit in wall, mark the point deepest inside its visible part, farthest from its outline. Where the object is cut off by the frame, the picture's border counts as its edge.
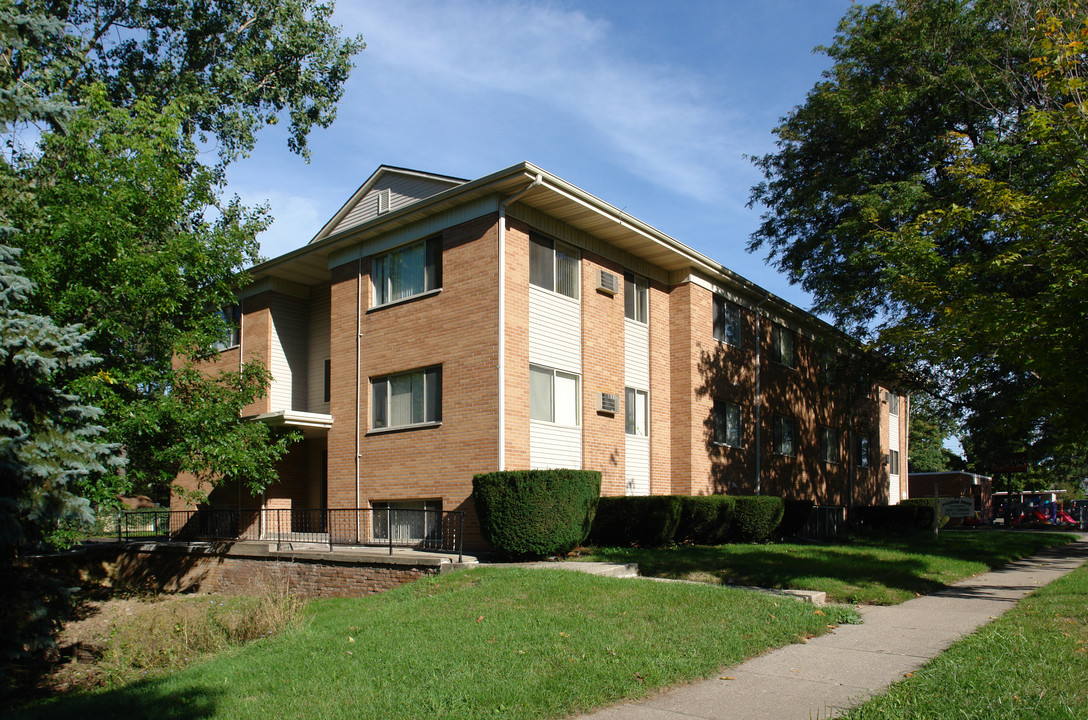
(608, 403)
(609, 283)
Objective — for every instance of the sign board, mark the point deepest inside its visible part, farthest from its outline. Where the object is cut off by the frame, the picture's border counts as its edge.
(1015, 463)
(957, 507)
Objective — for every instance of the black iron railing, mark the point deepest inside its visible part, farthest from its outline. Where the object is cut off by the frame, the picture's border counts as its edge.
(381, 527)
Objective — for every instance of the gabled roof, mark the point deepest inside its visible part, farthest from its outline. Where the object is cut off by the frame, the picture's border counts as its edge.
(381, 176)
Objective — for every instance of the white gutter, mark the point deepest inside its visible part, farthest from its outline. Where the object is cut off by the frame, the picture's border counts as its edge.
(502, 316)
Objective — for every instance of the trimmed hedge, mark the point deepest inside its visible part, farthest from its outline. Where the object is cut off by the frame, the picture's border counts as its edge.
(536, 513)
(794, 516)
(705, 519)
(907, 517)
(643, 521)
(755, 518)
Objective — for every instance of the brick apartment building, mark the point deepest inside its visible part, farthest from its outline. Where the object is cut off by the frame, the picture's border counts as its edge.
(436, 327)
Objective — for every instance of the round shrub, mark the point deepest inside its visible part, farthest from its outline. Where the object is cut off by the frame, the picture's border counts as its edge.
(536, 513)
(755, 517)
(705, 519)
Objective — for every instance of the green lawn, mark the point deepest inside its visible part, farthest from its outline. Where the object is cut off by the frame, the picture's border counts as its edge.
(483, 643)
(1032, 662)
(875, 571)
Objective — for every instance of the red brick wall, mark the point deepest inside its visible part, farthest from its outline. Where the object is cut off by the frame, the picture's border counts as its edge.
(603, 442)
(171, 569)
(517, 345)
(661, 432)
(457, 329)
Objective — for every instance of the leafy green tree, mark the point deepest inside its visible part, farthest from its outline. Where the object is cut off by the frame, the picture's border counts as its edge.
(230, 67)
(931, 424)
(122, 222)
(930, 193)
(51, 450)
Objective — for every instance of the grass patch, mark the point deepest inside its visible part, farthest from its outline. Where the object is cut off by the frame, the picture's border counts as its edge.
(863, 570)
(482, 643)
(1032, 662)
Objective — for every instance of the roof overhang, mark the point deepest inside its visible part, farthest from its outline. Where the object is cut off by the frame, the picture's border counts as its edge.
(312, 425)
(551, 195)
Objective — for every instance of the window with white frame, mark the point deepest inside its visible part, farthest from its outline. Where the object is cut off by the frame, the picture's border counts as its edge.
(231, 318)
(785, 436)
(636, 291)
(829, 445)
(553, 265)
(726, 321)
(406, 399)
(893, 462)
(782, 345)
(636, 412)
(893, 403)
(862, 451)
(406, 271)
(727, 423)
(553, 396)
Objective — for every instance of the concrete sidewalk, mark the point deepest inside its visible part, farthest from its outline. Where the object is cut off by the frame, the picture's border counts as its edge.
(828, 674)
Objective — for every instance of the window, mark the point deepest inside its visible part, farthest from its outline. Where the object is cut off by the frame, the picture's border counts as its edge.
(636, 412)
(231, 317)
(829, 445)
(553, 396)
(893, 404)
(553, 265)
(636, 292)
(782, 345)
(785, 436)
(327, 394)
(727, 429)
(726, 321)
(828, 367)
(893, 462)
(407, 271)
(411, 398)
(412, 520)
(861, 449)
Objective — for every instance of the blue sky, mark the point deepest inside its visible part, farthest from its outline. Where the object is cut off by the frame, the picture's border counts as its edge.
(650, 106)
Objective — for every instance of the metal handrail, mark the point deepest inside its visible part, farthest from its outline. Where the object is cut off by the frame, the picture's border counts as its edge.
(382, 527)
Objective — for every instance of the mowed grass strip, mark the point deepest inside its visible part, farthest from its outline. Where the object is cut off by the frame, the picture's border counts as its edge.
(482, 643)
(862, 570)
(1032, 662)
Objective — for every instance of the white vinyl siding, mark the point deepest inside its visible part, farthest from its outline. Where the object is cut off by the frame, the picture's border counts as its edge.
(636, 373)
(636, 354)
(403, 190)
(318, 350)
(288, 354)
(637, 461)
(555, 331)
(555, 344)
(554, 446)
(893, 444)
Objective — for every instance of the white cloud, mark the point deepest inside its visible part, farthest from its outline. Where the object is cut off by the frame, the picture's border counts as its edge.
(659, 122)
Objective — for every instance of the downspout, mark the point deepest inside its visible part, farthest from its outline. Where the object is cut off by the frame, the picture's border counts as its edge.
(759, 398)
(358, 386)
(502, 315)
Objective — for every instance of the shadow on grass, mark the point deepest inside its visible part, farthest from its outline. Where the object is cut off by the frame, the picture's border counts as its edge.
(148, 700)
(863, 569)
